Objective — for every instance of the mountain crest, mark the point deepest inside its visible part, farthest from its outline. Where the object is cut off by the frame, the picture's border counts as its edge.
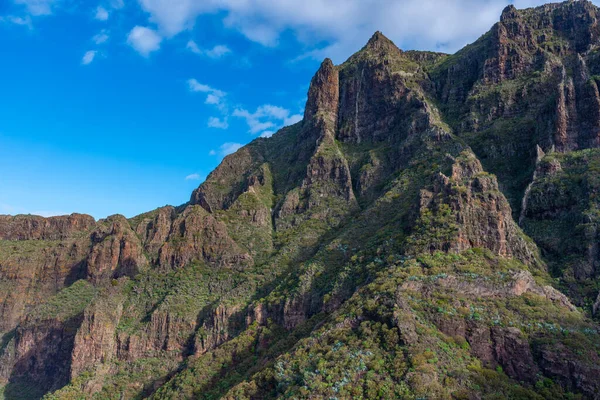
(323, 94)
(372, 245)
(509, 12)
(379, 45)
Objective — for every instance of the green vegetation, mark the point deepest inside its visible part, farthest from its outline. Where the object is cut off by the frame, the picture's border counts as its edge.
(384, 262)
(67, 303)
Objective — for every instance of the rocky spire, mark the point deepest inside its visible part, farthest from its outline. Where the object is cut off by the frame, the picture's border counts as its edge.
(510, 12)
(323, 95)
(380, 42)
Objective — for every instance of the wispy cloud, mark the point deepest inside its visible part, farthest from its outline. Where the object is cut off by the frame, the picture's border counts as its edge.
(226, 148)
(266, 118)
(101, 37)
(38, 7)
(344, 25)
(88, 57)
(267, 134)
(101, 14)
(24, 21)
(144, 40)
(117, 4)
(196, 86)
(218, 123)
(213, 96)
(216, 52)
(193, 177)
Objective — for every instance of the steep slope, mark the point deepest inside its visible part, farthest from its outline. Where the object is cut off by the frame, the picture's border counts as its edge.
(365, 251)
(529, 87)
(529, 81)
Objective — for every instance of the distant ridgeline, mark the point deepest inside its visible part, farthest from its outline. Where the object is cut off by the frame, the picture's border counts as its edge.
(430, 229)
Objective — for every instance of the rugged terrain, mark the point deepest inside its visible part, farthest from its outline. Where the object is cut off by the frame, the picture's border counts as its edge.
(429, 230)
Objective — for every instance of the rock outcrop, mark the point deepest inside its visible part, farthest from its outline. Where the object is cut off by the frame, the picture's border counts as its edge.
(31, 227)
(116, 251)
(365, 251)
(197, 236)
(478, 213)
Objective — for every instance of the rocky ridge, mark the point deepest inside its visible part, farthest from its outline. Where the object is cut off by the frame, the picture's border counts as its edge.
(365, 251)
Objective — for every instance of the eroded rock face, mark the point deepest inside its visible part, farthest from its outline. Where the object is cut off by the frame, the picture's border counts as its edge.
(483, 217)
(518, 284)
(95, 343)
(197, 236)
(32, 271)
(520, 357)
(116, 251)
(41, 353)
(216, 328)
(375, 97)
(154, 230)
(31, 227)
(341, 187)
(163, 333)
(224, 184)
(323, 94)
(560, 362)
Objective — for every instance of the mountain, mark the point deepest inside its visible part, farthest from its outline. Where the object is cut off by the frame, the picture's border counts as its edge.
(428, 230)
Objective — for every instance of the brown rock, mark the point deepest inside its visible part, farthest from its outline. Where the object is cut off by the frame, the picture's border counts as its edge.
(116, 251)
(197, 236)
(154, 229)
(96, 340)
(483, 215)
(323, 95)
(512, 351)
(31, 227)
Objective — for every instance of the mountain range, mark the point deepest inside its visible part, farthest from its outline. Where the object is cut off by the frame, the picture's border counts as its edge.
(430, 229)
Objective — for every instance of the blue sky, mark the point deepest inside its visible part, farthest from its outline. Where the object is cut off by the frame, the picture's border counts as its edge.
(116, 106)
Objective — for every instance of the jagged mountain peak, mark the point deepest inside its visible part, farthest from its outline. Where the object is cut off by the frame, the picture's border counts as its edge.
(509, 12)
(368, 245)
(380, 41)
(377, 47)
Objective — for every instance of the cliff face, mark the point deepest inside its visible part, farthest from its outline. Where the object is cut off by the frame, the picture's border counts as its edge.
(529, 81)
(365, 251)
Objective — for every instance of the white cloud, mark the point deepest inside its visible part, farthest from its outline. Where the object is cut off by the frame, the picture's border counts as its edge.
(344, 24)
(267, 117)
(218, 123)
(117, 4)
(216, 52)
(193, 47)
(228, 148)
(196, 86)
(144, 40)
(213, 96)
(193, 177)
(38, 7)
(273, 111)
(24, 21)
(213, 99)
(88, 57)
(101, 37)
(267, 134)
(293, 119)
(174, 16)
(101, 14)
